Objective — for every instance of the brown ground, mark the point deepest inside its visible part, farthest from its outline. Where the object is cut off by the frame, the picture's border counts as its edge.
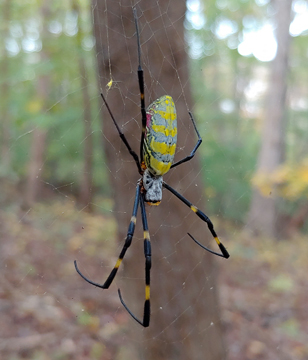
(48, 312)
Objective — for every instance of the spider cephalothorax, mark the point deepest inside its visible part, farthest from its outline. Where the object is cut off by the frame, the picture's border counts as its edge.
(157, 149)
(153, 186)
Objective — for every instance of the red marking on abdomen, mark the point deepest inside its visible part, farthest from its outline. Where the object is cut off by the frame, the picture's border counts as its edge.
(148, 123)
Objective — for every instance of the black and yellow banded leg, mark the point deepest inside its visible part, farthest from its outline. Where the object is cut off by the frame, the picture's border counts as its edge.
(141, 87)
(127, 243)
(192, 154)
(122, 136)
(147, 254)
(224, 253)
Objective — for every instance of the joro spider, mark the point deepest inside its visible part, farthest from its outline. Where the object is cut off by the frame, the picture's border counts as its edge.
(157, 149)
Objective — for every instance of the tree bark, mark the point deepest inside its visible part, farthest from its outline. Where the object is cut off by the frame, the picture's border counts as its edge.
(39, 135)
(5, 89)
(85, 195)
(185, 319)
(264, 214)
(86, 185)
(36, 163)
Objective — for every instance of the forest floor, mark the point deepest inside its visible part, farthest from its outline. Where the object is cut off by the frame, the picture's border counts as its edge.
(45, 309)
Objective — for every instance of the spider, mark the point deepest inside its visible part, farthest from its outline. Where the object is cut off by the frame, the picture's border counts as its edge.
(157, 149)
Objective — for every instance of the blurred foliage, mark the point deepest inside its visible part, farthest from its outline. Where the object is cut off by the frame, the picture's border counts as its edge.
(64, 118)
(290, 180)
(229, 93)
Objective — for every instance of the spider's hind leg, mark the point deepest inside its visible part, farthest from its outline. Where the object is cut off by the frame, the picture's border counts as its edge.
(127, 243)
(147, 253)
(224, 253)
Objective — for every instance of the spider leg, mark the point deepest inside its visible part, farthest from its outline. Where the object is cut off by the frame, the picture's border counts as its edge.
(123, 138)
(141, 87)
(147, 253)
(128, 240)
(192, 154)
(224, 253)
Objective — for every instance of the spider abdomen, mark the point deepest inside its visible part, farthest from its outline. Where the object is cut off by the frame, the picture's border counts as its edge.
(160, 135)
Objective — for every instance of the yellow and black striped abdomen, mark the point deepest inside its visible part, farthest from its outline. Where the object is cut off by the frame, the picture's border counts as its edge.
(160, 135)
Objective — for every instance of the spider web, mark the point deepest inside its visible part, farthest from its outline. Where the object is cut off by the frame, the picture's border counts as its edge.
(59, 309)
(172, 258)
(49, 66)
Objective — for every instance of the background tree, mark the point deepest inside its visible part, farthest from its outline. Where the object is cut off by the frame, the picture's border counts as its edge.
(264, 212)
(39, 136)
(4, 68)
(86, 183)
(166, 72)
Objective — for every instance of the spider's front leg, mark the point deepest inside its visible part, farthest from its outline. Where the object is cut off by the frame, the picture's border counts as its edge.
(122, 136)
(127, 243)
(224, 253)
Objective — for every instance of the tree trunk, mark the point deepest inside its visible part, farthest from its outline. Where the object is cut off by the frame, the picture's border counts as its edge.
(36, 162)
(264, 215)
(39, 136)
(38, 145)
(5, 87)
(185, 321)
(86, 184)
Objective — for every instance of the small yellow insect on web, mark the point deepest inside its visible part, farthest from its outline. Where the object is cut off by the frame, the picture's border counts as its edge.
(108, 86)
